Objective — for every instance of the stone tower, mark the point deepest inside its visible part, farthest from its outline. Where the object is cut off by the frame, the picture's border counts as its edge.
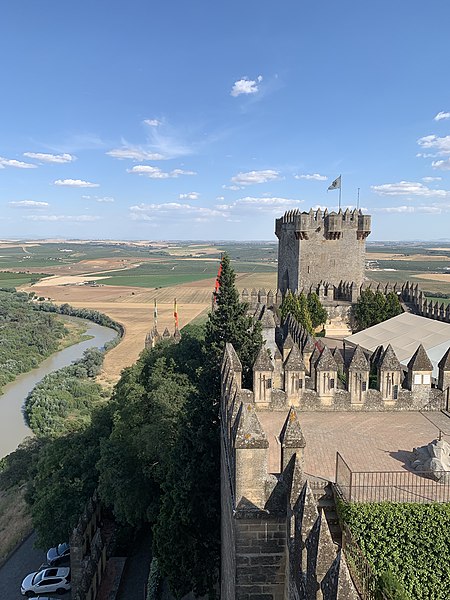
(325, 248)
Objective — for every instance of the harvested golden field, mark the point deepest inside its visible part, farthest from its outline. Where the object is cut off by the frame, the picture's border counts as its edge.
(445, 277)
(133, 308)
(407, 257)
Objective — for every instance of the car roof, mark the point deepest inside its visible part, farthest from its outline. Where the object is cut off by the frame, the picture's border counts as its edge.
(56, 572)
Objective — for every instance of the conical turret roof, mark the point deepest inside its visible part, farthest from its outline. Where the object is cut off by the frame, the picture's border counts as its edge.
(309, 344)
(249, 432)
(288, 342)
(389, 360)
(419, 360)
(291, 435)
(326, 361)
(444, 363)
(294, 361)
(263, 362)
(358, 361)
(337, 355)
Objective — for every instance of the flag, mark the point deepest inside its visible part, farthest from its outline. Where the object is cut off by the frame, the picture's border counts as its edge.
(219, 272)
(175, 312)
(155, 314)
(336, 184)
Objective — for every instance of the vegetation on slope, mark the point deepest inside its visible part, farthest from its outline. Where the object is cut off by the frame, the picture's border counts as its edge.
(26, 337)
(411, 541)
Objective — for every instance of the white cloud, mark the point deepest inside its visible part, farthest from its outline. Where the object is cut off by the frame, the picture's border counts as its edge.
(220, 198)
(152, 122)
(189, 196)
(434, 208)
(51, 158)
(443, 165)
(252, 177)
(407, 188)
(441, 145)
(157, 173)
(176, 210)
(75, 183)
(17, 164)
(246, 86)
(99, 198)
(442, 115)
(234, 188)
(271, 204)
(64, 218)
(134, 153)
(28, 204)
(314, 176)
(430, 179)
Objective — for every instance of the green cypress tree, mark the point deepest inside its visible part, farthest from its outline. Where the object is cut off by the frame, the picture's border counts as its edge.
(317, 312)
(187, 534)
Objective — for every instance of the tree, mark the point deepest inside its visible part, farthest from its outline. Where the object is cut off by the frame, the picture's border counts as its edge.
(317, 312)
(297, 306)
(187, 534)
(372, 308)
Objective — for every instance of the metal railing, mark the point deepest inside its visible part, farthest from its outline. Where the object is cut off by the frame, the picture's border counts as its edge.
(391, 486)
(361, 572)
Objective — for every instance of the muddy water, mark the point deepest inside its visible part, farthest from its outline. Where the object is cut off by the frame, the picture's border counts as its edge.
(13, 429)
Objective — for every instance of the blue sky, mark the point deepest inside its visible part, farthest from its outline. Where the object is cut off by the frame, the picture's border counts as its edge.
(206, 120)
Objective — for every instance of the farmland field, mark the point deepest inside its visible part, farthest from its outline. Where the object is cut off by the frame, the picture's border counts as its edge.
(123, 279)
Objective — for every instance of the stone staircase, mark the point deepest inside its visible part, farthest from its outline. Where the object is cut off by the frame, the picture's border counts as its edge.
(323, 493)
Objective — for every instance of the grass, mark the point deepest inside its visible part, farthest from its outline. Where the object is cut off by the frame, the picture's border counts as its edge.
(75, 333)
(15, 520)
(153, 281)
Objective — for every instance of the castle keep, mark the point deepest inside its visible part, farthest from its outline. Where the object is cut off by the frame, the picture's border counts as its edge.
(322, 249)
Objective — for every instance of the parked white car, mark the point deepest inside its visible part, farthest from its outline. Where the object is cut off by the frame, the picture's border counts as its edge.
(48, 580)
(58, 554)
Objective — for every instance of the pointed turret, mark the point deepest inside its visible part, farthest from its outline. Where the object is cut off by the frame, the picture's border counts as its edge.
(389, 375)
(278, 373)
(176, 335)
(292, 440)
(251, 452)
(337, 355)
(308, 349)
(326, 376)
(262, 377)
(444, 374)
(420, 369)
(358, 376)
(294, 376)
(288, 344)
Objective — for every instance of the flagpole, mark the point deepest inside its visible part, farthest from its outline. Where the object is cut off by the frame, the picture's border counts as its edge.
(357, 202)
(340, 191)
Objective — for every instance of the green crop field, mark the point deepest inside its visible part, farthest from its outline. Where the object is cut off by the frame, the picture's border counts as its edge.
(175, 271)
(13, 280)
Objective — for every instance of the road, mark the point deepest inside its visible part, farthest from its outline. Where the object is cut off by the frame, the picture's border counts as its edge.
(25, 560)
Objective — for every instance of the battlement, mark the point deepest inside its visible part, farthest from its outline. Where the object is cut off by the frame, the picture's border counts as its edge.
(330, 223)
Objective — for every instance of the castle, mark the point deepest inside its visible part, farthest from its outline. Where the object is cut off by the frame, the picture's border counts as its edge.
(276, 542)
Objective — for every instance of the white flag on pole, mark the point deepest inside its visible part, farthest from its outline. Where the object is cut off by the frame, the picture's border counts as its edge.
(336, 184)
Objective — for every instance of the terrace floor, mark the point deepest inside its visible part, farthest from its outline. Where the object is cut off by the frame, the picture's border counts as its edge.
(367, 441)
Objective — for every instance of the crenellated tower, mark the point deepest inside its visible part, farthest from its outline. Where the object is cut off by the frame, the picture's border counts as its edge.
(322, 250)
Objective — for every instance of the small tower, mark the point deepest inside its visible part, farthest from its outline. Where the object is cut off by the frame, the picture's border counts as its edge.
(278, 376)
(389, 375)
(326, 376)
(337, 355)
(251, 452)
(263, 378)
(358, 377)
(444, 376)
(268, 329)
(166, 334)
(294, 376)
(308, 349)
(288, 344)
(292, 440)
(420, 369)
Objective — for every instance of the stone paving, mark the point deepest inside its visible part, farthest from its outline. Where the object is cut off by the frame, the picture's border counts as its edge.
(367, 441)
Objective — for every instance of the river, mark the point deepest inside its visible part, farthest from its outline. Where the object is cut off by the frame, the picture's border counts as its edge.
(13, 429)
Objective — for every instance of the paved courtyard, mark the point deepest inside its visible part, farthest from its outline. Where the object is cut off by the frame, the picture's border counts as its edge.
(367, 441)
